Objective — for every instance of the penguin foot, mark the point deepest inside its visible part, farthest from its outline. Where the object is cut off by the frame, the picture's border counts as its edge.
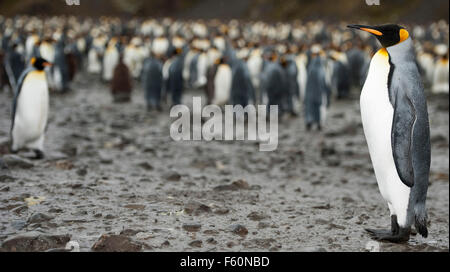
(387, 235)
(39, 155)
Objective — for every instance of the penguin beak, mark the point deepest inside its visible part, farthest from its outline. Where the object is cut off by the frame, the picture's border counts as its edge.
(369, 29)
(47, 64)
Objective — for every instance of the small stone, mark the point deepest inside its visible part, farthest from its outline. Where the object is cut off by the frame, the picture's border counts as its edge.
(135, 207)
(192, 227)
(82, 172)
(172, 176)
(221, 211)
(257, 216)
(146, 166)
(116, 243)
(263, 225)
(196, 208)
(239, 230)
(234, 186)
(38, 218)
(4, 189)
(196, 243)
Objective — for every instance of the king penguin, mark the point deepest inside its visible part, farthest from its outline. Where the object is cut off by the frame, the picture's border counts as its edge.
(396, 126)
(30, 109)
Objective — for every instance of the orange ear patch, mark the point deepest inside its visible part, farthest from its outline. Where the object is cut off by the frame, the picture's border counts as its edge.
(33, 60)
(404, 35)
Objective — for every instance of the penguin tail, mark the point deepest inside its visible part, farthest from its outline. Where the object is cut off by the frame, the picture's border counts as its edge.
(421, 219)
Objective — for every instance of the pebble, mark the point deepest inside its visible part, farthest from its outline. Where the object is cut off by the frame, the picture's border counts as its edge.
(192, 227)
(172, 176)
(116, 243)
(196, 243)
(196, 208)
(38, 218)
(239, 230)
(257, 216)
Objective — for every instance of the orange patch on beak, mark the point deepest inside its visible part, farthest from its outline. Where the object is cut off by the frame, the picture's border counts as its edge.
(373, 31)
(47, 64)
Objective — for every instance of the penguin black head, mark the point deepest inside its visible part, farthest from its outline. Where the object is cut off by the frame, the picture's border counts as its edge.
(388, 35)
(40, 63)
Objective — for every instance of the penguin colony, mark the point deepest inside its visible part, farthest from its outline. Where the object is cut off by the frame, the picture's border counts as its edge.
(301, 67)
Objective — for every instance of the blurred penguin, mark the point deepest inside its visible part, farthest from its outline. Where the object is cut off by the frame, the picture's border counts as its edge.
(273, 82)
(441, 71)
(14, 65)
(174, 83)
(292, 89)
(317, 91)
(222, 83)
(121, 83)
(110, 59)
(341, 78)
(60, 69)
(241, 85)
(152, 79)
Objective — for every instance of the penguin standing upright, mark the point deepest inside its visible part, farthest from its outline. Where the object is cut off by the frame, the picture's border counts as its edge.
(14, 65)
(121, 83)
(241, 85)
(317, 92)
(292, 90)
(110, 59)
(152, 79)
(395, 120)
(30, 109)
(222, 83)
(273, 82)
(440, 75)
(175, 76)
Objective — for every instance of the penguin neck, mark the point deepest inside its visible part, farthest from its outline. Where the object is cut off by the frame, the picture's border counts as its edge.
(403, 51)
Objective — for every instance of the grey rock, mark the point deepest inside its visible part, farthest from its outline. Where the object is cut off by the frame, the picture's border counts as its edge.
(196, 243)
(172, 176)
(39, 217)
(116, 243)
(33, 241)
(239, 230)
(193, 227)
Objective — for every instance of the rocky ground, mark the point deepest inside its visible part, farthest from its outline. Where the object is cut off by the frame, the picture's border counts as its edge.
(113, 180)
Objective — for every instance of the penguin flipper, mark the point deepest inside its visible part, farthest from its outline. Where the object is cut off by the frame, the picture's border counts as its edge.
(402, 136)
(16, 94)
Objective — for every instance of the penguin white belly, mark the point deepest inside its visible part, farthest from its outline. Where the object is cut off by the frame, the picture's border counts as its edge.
(202, 66)
(94, 66)
(255, 66)
(377, 116)
(31, 115)
(222, 85)
(109, 63)
(301, 78)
